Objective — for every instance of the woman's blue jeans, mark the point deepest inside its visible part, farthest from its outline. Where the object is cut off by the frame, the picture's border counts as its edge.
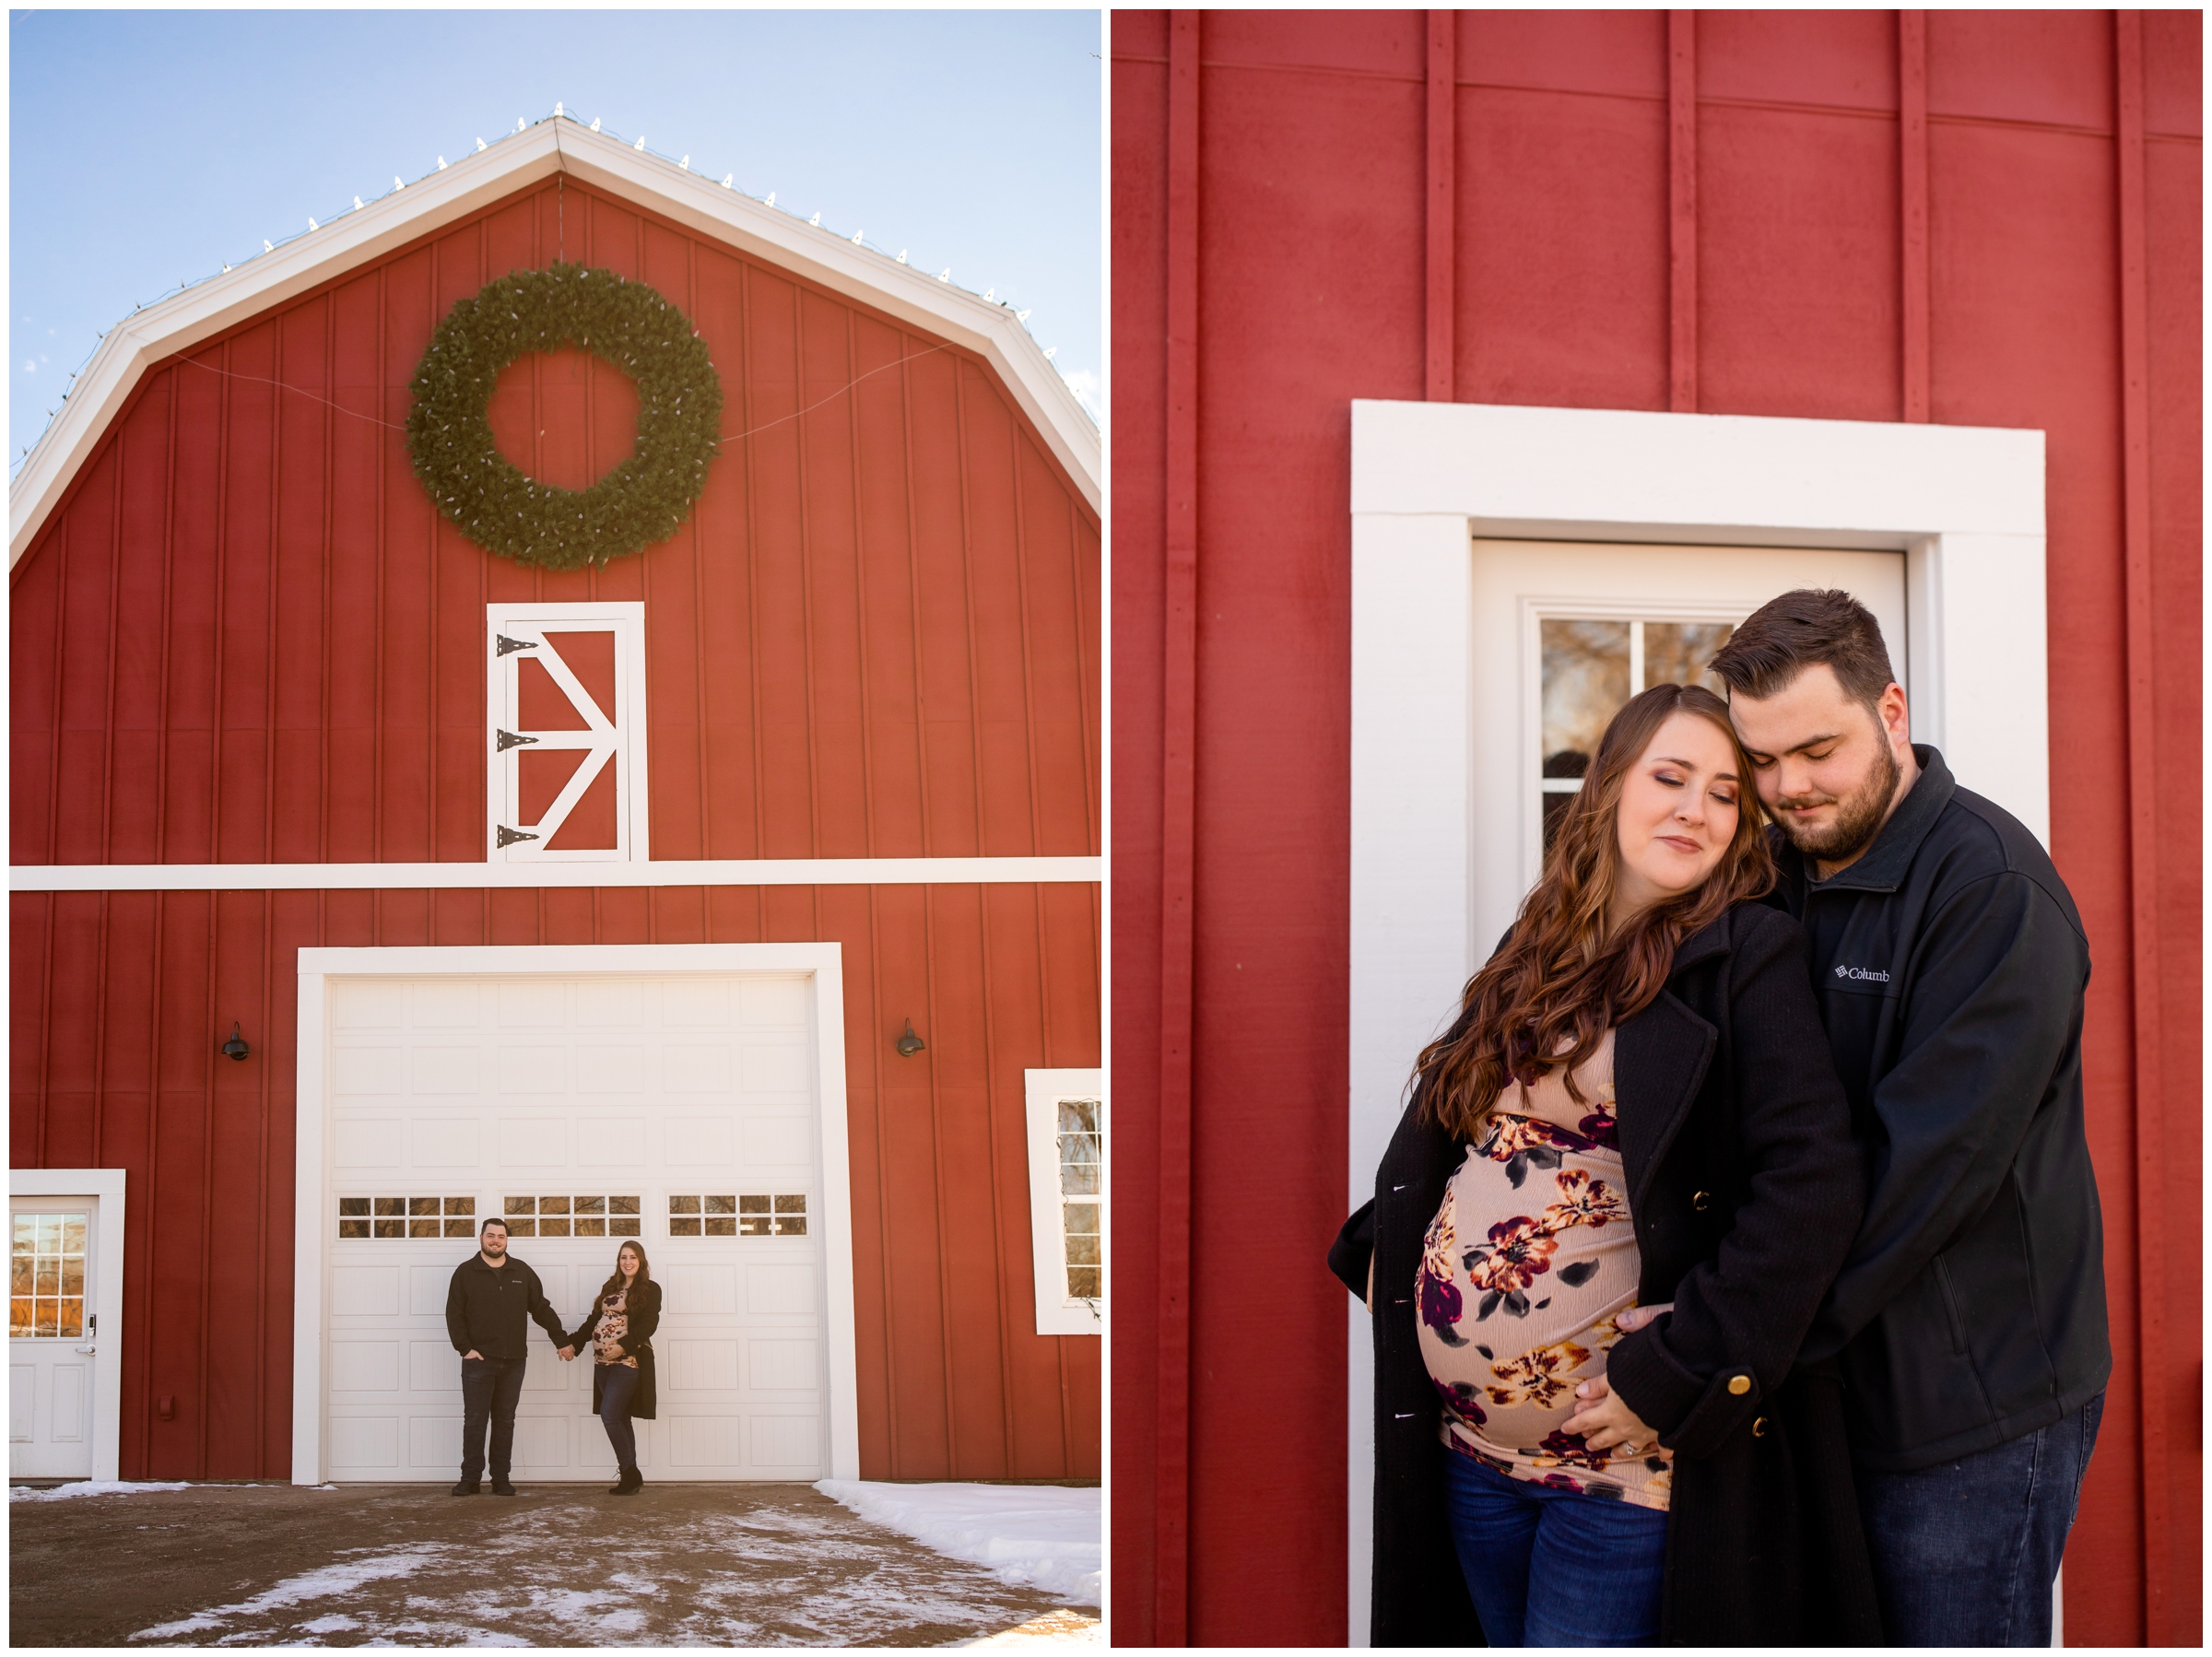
(616, 1382)
(1546, 1567)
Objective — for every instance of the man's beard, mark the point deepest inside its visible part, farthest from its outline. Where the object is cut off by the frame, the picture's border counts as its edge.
(1858, 816)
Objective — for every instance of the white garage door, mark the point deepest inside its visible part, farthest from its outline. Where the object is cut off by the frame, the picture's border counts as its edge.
(682, 1110)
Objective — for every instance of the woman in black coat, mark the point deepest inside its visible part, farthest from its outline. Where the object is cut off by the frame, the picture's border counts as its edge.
(621, 1327)
(1710, 1481)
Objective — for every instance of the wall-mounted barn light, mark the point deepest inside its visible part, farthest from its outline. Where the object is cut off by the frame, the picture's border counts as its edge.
(910, 1044)
(236, 1047)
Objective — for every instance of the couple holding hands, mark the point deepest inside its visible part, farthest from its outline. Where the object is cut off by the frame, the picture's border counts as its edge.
(1737, 1271)
(488, 1308)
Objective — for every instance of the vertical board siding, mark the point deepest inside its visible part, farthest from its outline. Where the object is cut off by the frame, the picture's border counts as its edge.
(122, 998)
(1843, 269)
(248, 635)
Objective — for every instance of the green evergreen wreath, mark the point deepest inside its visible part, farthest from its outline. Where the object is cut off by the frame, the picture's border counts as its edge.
(492, 502)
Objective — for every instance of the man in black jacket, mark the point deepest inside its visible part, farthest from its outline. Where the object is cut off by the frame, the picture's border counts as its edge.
(491, 1294)
(1950, 963)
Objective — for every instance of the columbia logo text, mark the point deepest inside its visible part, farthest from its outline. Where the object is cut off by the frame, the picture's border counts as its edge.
(1866, 974)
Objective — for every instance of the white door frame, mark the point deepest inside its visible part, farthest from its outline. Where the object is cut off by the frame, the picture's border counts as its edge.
(1964, 504)
(105, 1183)
(822, 965)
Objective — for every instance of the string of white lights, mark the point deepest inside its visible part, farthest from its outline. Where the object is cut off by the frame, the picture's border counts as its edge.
(522, 125)
(734, 438)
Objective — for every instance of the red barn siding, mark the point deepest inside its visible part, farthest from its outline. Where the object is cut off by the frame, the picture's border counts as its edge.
(247, 636)
(1311, 257)
(122, 997)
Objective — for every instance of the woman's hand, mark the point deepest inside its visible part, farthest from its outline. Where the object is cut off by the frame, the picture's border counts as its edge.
(1602, 1421)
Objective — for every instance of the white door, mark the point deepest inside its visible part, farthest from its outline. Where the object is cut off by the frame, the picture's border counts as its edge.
(681, 1110)
(52, 1318)
(1566, 631)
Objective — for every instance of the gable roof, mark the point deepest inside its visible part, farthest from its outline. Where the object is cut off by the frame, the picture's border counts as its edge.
(554, 145)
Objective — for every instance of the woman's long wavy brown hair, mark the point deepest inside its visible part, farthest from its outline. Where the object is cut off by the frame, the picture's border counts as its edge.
(644, 1268)
(1559, 981)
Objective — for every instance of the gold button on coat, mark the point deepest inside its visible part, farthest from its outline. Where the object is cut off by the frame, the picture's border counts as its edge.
(1701, 1202)
(1758, 1428)
(1739, 1384)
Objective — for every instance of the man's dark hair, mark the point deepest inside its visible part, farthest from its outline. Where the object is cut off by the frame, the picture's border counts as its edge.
(1786, 635)
(489, 1222)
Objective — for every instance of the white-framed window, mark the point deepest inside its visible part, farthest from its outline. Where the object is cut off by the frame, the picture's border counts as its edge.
(565, 703)
(1066, 1113)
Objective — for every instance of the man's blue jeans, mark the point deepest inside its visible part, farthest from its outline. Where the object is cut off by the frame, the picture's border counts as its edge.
(616, 1382)
(490, 1388)
(1546, 1567)
(1965, 1553)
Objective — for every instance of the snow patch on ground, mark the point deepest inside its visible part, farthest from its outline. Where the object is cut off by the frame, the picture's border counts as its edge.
(1031, 1535)
(90, 1487)
(319, 1584)
(1063, 1627)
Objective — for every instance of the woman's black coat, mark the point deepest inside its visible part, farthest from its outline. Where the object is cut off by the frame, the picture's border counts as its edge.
(643, 1308)
(1745, 1187)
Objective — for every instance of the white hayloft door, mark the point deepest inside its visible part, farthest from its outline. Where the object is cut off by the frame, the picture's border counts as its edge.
(680, 1110)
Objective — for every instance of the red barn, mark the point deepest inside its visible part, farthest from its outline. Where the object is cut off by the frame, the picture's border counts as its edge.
(1443, 335)
(740, 895)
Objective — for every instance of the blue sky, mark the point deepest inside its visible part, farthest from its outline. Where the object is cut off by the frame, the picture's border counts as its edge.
(148, 148)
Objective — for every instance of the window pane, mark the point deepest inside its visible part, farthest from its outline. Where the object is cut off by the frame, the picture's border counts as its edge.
(1082, 1219)
(50, 1234)
(1079, 1179)
(1585, 676)
(618, 1226)
(385, 1228)
(43, 1321)
(18, 1317)
(460, 1204)
(683, 1204)
(788, 1203)
(522, 1205)
(594, 1227)
(461, 1228)
(353, 1205)
(622, 1204)
(552, 1204)
(50, 1277)
(27, 1233)
(725, 1226)
(752, 1205)
(1675, 652)
(791, 1225)
(552, 1228)
(422, 1227)
(1084, 1283)
(422, 1205)
(391, 1205)
(525, 1226)
(73, 1276)
(72, 1319)
(591, 1205)
(1078, 1116)
(680, 1227)
(353, 1227)
(1082, 1250)
(720, 1204)
(754, 1225)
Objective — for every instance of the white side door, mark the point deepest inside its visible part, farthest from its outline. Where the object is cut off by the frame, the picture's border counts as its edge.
(54, 1313)
(1566, 631)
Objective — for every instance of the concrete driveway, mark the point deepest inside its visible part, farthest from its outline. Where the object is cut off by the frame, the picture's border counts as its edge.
(558, 1565)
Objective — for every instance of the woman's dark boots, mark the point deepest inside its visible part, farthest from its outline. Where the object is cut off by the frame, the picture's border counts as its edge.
(632, 1482)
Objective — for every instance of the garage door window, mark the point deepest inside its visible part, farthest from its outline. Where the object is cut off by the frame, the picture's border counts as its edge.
(755, 1214)
(406, 1217)
(574, 1216)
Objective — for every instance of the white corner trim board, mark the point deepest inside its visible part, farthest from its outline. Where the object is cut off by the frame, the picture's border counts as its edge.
(221, 302)
(413, 876)
(107, 1184)
(1964, 505)
(821, 964)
